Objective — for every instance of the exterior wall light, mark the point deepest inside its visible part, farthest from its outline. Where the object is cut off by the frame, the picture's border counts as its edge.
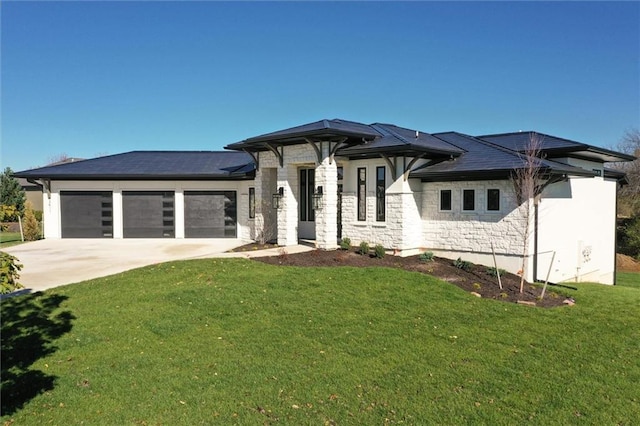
(277, 198)
(316, 200)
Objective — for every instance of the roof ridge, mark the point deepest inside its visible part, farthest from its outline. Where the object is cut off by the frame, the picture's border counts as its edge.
(498, 147)
(391, 132)
(450, 143)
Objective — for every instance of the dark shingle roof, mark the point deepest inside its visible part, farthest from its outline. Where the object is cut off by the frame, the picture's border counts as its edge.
(482, 160)
(399, 140)
(320, 129)
(553, 146)
(154, 165)
(361, 140)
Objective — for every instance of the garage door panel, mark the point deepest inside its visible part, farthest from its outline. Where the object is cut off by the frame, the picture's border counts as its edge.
(86, 214)
(148, 214)
(210, 214)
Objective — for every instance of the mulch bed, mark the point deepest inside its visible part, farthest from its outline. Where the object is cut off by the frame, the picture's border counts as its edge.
(475, 280)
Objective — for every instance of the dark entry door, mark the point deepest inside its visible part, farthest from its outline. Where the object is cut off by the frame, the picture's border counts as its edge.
(210, 214)
(148, 214)
(307, 216)
(86, 214)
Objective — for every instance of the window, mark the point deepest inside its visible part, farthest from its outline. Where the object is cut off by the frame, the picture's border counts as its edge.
(362, 193)
(468, 199)
(252, 203)
(598, 172)
(493, 200)
(445, 199)
(307, 185)
(380, 193)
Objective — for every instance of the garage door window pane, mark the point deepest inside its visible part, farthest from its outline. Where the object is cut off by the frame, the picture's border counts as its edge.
(86, 214)
(148, 214)
(210, 214)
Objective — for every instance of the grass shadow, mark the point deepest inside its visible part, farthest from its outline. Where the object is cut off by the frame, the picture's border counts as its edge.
(30, 325)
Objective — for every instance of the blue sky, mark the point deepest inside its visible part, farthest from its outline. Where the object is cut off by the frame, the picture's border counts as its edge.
(94, 78)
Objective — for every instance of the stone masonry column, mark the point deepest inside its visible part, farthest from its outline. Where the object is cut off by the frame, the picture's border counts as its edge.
(288, 211)
(327, 214)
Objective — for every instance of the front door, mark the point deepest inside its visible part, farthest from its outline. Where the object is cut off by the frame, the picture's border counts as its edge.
(306, 214)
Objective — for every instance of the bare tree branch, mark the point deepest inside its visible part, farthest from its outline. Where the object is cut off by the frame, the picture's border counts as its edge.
(527, 184)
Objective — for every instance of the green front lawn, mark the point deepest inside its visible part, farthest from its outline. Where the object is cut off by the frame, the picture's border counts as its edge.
(628, 279)
(241, 342)
(8, 239)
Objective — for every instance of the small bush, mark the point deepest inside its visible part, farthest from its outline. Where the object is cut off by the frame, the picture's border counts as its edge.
(38, 215)
(477, 286)
(427, 256)
(30, 226)
(628, 233)
(462, 264)
(504, 295)
(8, 213)
(345, 243)
(9, 273)
(364, 248)
(379, 251)
(494, 272)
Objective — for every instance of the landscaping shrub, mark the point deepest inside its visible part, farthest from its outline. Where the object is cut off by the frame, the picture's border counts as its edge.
(494, 272)
(364, 248)
(30, 226)
(9, 273)
(427, 256)
(462, 264)
(379, 251)
(345, 243)
(628, 231)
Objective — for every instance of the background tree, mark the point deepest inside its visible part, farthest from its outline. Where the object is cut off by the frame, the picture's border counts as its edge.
(629, 195)
(11, 193)
(628, 226)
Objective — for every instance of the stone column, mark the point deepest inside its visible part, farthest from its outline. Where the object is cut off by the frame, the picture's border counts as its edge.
(288, 211)
(327, 214)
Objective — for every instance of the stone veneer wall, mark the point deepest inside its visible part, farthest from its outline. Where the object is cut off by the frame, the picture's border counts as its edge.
(468, 234)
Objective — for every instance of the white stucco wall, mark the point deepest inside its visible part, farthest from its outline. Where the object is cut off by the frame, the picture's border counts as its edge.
(577, 221)
(51, 202)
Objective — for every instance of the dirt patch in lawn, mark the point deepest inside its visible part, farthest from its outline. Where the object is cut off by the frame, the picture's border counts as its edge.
(477, 279)
(627, 263)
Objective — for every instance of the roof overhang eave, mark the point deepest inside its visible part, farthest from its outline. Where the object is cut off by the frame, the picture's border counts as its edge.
(259, 143)
(358, 152)
(97, 177)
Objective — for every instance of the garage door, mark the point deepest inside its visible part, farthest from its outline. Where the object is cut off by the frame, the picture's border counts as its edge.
(86, 214)
(210, 214)
(148, 214)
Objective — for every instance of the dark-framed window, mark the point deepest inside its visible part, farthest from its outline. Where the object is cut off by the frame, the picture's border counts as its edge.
(468, 199)
(380, 193)
(445, 199)
(252, 203)
(362, 193)
(493, 200)
(307, 185)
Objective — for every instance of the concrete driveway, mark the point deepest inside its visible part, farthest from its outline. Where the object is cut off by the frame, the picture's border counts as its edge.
(51, 263)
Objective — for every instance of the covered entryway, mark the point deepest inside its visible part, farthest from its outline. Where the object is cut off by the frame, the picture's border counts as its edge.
(148, 214)
(86, 214)
(210, 214)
